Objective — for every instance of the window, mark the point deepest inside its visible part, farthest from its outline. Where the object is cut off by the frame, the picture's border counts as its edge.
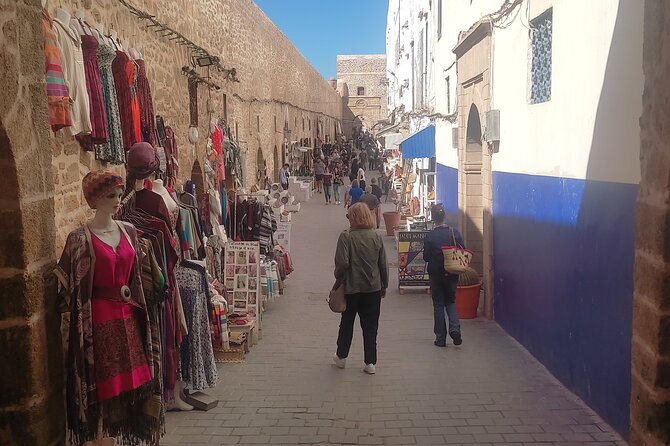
(309, 124)
(448, 95)
(303, 124)
(439, 19)
(275, 123)
(361, 91)
(540, 69)
(258, 123)
(237, 132)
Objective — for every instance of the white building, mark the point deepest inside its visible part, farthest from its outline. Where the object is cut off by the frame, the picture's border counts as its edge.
(535, 105)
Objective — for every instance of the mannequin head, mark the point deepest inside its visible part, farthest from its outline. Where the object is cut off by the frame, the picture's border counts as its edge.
(103, 190)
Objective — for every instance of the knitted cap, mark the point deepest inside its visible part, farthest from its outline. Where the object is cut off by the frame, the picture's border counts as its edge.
(97, 184)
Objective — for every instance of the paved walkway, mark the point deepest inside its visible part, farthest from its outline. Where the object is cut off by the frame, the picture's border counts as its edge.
(487, 391)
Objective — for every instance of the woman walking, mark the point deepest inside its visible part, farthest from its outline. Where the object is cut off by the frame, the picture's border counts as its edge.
(442, 284)
(327, 184)
(360, 176)
(337, 182)
(360, 262)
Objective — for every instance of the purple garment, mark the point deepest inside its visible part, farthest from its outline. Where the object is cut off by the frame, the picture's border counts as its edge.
(89, 46)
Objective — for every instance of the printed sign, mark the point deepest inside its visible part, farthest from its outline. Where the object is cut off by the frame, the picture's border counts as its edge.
(412, 270)
(242, 275)
(283, 235)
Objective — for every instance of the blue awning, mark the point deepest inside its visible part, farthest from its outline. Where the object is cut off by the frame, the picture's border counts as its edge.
(419, 145)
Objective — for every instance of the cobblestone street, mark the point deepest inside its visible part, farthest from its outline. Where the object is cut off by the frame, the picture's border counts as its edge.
(487, 391)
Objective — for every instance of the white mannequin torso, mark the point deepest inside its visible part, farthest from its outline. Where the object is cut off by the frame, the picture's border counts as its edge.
(63, 16)
(75, 25)
(160, 189)
(106, 229)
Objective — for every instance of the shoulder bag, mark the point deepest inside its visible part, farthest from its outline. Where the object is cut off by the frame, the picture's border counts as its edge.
(456, 258)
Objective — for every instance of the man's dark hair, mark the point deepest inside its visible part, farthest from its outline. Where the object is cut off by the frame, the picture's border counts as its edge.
(437, 213)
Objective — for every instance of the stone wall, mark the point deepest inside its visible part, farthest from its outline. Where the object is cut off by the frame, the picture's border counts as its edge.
(31, 385)
(369, 72)
(650, 398)
(272, 72)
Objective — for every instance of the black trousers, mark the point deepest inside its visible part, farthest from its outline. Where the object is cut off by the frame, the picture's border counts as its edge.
(367, 306)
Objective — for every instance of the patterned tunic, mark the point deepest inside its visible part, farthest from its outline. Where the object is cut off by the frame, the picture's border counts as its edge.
(57, 92)
(112, 151)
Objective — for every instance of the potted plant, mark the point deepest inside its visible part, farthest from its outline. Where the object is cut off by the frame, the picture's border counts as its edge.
(467, 294)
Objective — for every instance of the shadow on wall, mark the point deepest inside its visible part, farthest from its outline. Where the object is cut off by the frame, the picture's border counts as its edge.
(564, 258)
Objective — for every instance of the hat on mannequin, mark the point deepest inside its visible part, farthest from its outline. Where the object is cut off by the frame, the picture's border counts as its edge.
(97, 184)
(142, 161)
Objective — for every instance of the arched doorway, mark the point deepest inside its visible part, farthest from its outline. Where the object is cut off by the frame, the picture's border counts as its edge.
(198, 179)
(261, 168)
(276, 165)
(474, 205)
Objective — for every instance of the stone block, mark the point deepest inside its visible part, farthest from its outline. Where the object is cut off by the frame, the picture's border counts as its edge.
(650, 418)
(41, 424)
(16, 381)
(11, 246)
(25, 294)
(30, 40)
(38, 229)
(653, 223)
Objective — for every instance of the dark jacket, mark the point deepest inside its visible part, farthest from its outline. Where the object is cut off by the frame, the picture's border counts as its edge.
(432, 247)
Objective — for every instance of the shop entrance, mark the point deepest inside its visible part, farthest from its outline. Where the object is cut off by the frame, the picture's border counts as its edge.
(474, 209)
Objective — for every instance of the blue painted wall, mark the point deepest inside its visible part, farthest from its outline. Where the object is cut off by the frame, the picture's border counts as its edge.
(563, 271)
(447, 191)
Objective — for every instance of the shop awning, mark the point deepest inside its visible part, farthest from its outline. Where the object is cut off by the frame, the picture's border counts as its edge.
(420, 144)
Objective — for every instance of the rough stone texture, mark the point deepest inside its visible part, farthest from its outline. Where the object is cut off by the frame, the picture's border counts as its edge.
(31, 402)
(650, 398)
(369, 72)
(271, 70)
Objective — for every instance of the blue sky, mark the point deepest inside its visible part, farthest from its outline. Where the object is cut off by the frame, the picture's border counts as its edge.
(322, 29)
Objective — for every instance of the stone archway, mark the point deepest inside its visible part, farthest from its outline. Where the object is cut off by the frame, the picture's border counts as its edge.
(474, 209)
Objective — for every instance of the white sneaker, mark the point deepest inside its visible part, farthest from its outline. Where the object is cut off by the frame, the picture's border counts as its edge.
(341, 363)
(370, 369)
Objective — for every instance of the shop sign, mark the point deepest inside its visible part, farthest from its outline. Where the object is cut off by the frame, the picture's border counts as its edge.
(242, 275)
(412, 269)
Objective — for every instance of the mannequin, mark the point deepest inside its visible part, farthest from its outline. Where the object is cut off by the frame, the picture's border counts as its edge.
(100, 270)
(76, 22)
(135, 53)
(99, 29)
(160, 189)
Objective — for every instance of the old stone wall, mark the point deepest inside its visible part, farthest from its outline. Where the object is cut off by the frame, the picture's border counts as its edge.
(369, 72)
(31, 386)
(271, 71)
(650, 396)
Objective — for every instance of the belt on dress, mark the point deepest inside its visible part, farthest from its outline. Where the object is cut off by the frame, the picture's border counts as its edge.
(123, 292)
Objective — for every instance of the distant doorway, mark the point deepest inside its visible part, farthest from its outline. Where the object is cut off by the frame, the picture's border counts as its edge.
(474, 206)
(276, 165)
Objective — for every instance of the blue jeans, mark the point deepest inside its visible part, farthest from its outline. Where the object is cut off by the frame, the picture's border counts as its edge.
(336, 192)
(443, 289)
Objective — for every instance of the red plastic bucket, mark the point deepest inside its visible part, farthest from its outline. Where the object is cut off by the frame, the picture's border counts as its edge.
(467, 301)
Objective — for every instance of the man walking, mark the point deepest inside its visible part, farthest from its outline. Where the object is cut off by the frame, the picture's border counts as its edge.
(284, 174)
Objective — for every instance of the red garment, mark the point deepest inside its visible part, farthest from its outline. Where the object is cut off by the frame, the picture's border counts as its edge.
(147, 119)
(121, 359)
(124, 70)
(217, 144)
(89, 46)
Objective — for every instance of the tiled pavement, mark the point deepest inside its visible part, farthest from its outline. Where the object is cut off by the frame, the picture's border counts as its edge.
(489, 391)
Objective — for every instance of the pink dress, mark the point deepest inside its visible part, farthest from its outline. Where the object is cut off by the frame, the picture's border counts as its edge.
(121, 358)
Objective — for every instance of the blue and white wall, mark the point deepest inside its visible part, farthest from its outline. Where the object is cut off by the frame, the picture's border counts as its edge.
(565, 181)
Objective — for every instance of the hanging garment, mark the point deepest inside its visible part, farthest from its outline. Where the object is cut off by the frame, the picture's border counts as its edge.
(267, 228)
(111, 151)
(98, 114)
(124, 71)
(58, 96)
(98, 320)
(75, 77)
(217, 145)
(197, 366)
(172, 157)
(147, 122)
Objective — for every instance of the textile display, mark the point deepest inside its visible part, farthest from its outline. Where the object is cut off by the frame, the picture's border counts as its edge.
(58, 96)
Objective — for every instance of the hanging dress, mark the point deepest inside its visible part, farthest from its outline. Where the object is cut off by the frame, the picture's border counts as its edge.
(58, 96)
(89, 45)
(73, 71)
(112, 151)
(147, 120)
(129, 110)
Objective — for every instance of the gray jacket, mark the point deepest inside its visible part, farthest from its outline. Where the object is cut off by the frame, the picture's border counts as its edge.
(360, 260)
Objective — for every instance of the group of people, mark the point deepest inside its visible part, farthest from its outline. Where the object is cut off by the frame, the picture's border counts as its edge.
(361, 265)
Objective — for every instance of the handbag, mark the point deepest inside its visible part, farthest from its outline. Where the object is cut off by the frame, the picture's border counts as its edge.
(336, 300)
(456, 258)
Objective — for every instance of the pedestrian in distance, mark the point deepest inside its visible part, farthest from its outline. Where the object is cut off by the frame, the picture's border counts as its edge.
(319, 168)
(354, 170)
(354, 193)
(442, 284)
(376, 190)
(337, 183)
(284, 175)
(327, 184)
(360, 176)
(360, 263)
(372, 202)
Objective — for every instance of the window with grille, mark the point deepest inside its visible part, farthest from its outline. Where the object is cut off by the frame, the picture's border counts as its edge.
(361, 91)
(540, 70)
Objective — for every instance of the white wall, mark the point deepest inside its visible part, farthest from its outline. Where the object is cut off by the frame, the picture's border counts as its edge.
(591, 122)
(457, 16)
